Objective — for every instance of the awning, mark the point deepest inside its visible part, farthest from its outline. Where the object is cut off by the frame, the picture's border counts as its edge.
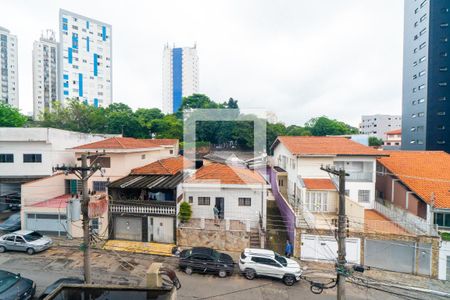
(148, 182)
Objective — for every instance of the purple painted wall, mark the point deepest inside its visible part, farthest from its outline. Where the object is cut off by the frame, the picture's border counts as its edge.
(286, 212)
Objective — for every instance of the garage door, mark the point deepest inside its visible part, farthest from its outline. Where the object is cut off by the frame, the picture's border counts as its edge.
(316, 247)
(128, 228)
(47, 223)
(160, 229)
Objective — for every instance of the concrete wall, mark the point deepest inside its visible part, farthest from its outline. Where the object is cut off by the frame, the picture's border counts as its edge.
(43, 189)
(216, 239)
(444, 253)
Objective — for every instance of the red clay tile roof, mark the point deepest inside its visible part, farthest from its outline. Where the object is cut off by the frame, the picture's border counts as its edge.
(226, 175)
(324, 145)
(396, 131)
(423, 172)
(127, 143)
(319, 184)
(168, 166)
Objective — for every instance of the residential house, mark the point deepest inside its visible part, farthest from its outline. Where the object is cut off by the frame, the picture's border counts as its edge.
(28, 154)
(143, 204)
(393, 140)
(44, 201)
(414, 188)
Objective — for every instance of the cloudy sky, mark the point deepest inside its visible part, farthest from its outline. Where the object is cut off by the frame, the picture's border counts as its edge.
(298, 58)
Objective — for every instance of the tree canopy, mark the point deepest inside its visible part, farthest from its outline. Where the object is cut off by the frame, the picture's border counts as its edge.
(11, 116)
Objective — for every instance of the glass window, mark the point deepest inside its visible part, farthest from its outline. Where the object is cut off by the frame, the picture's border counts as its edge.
(191, 199)
(245, 201)
(99, 186)
(32, 158)
(204, 200)
(364, 196)
(19, 239)
(6, 158)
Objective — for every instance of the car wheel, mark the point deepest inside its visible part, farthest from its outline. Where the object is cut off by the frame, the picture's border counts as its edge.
(2, 249)
(188, 270)
(289, 280)
(30, 251)
(250, 274)
(222, 273)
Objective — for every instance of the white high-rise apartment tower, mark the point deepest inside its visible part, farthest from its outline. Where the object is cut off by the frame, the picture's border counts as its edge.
(45, 73)
(85, 59)
(9, 74)
(180, 76)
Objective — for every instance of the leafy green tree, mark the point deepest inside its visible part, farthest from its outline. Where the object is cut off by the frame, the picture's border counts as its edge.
(375, 142)
(294, 130)
(199, 101)
(231, 103)
(146, 115)
(185, 212)
(323, 126)
(274, 130)
(167, 127)
(11, 116)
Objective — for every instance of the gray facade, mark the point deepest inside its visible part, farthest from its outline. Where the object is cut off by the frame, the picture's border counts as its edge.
(9, 86)
(426, 78)
(378, 125)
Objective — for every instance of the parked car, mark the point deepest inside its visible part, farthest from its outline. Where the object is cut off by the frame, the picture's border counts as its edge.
(14, 286)
(262, 262)
(57, 283)
(206, 260)
(25, 240)
(12, 223)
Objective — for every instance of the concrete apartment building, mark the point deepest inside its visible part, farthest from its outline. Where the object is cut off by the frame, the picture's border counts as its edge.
(426, 90)
(378, 125)
(85, 59)
(180, 76)
(9, 74)
(45, 73)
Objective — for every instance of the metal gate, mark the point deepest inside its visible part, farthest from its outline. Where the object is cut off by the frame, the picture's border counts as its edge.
(128, 228)
(160, 229)
(316, 247)
(397, 256)
(47, 223)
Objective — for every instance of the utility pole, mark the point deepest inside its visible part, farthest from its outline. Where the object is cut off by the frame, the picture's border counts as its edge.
(84, 173)
(342, 224)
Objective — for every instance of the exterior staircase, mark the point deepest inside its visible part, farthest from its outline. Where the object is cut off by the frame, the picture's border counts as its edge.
(254, 239)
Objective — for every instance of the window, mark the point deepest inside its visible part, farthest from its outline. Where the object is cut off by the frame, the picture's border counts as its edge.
(444, 25)
(99, 186)
(204, 200)
(6, 158)
(441, 113)
(143, 156)
(103, 161)
(443, 69)
(421, 100)
(423, 31)
(347, 193)
(20, 239)
(10, 238)
(32, 158)
(423, 3)
(422, 45)
(443, 54)
(421, 87)
(245, 201)
(442, 219)
(423, 18)
(191, 199)
(441, 127)
(364, 196)
(422, 73)
(442, 83)
(171, 151)
(316, 201)
(422, 59)
(421, 114)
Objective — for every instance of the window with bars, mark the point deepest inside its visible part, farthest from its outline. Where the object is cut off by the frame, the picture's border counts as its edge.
(245, 201)
(204, 200)
(364, 196)
(32, 158)
(99, 186)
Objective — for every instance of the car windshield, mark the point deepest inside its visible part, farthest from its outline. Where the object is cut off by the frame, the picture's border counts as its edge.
(280, 259)
(32, 236)
(7, 281)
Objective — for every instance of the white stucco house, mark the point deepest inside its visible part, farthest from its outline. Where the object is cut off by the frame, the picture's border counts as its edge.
(238, 193)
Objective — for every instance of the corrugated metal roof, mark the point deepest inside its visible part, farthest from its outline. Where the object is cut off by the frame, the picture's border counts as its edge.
(148, 181)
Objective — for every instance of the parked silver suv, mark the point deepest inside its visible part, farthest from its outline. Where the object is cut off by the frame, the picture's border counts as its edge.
(25, 240)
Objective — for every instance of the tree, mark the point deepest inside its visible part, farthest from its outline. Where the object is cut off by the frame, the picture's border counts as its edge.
(11, 116)
(199, 101)
(323, 126)
(169, 127)
(375, 142)
(185, 212)
(294, 130)
(231, 103)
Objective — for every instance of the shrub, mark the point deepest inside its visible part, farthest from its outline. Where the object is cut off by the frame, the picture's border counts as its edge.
(185, 212)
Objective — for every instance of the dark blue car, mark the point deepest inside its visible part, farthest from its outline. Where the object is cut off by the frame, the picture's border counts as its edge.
(13, 286)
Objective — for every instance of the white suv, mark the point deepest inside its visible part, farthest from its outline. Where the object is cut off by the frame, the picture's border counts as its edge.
(262, 262)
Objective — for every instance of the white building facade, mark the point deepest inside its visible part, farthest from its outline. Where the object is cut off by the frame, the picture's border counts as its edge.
(378, 125)
(85, 59)
(9, 74)
(45, 73)
(180, 76)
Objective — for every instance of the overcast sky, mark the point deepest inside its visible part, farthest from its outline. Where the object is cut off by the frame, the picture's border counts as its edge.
(298, 58)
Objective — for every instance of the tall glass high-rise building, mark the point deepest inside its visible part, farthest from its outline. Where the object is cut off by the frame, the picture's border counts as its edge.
(180, 76)
(9, 74)
(85, 59)
(426, 75)
(45, 73)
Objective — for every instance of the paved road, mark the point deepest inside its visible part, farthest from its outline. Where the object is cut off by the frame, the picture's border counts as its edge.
(109, 267)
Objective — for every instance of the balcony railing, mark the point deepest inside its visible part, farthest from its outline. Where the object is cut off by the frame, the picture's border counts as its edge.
(143, 209)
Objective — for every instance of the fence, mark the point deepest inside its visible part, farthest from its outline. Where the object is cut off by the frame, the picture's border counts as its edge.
(407, 220)
(157, 210)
